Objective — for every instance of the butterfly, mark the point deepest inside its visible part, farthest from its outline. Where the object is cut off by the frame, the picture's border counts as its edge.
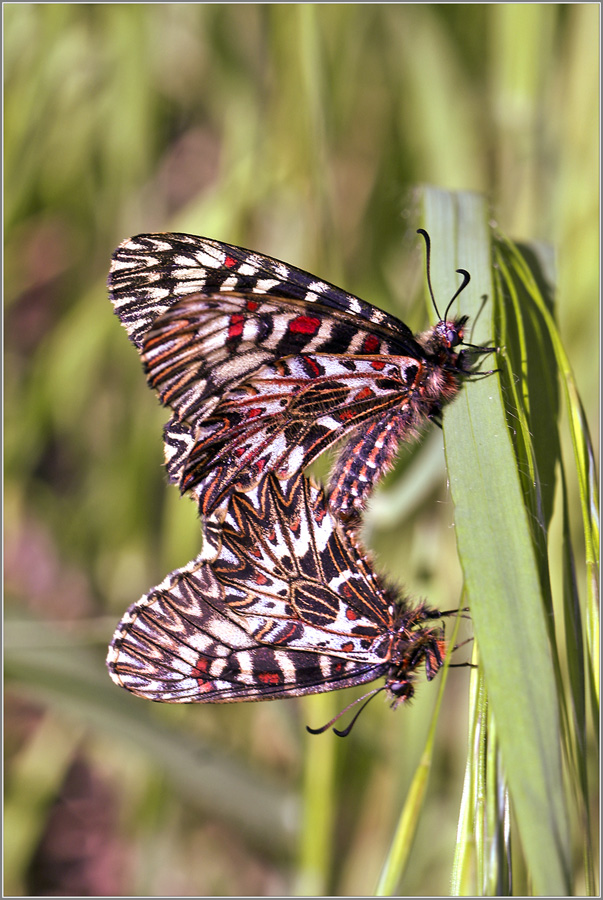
(289, 605)
(265, 366)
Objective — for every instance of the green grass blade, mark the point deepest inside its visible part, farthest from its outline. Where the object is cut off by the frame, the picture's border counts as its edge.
(467, 852)
(584, 457)
(498, 556)
(319, 806)
(582, 674)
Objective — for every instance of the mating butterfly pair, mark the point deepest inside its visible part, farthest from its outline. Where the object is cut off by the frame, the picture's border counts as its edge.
(264, 367)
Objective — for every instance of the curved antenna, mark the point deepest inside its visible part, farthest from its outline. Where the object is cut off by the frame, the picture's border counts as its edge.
(463, 272)
(466, 280)
(370, 696)
(427, 240)
(347, 730)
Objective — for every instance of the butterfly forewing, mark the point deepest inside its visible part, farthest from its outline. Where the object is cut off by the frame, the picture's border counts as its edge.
(206, 345)
(151, 272)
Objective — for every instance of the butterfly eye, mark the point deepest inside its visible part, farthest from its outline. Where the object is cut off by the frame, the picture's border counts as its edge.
(401, 690)
(454, 335)
(450, 333)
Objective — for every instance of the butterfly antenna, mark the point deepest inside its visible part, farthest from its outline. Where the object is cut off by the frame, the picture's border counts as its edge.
(466, 280)
(346, 731)
(427, 240)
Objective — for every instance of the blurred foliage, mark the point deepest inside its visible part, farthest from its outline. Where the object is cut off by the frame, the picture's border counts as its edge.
(299, 131)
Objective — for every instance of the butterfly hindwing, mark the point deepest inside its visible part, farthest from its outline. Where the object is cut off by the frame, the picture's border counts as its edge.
(290, 606)
(181, 644)
(288, 413)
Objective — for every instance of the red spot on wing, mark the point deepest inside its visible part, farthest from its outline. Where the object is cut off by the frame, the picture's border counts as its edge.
(200, 672)
(312, 366)
(269, 677)
(253, 412)
(365, 393)
(201, 667)
(295, 524)
(344, 414)
(235, 326)
(229, 262)
(370, 344)
(351, 615)
(304, 325)
(319, 514)
(378, 365)
(347, 647)
(251, 305)
(260, 578)
(287, 635)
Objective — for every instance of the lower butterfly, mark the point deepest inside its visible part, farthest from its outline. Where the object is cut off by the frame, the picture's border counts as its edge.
(265, 366)
(289, 605)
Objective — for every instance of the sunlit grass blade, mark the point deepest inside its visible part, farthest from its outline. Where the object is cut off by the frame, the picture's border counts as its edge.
(584, 462)
(482, 858)
(503, 576)
(466, 852)
(580, 626)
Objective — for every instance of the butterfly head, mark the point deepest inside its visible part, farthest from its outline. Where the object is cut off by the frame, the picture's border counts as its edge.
(415, 645)
(450, 332)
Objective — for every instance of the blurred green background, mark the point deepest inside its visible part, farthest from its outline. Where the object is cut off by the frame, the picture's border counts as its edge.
(301, 132)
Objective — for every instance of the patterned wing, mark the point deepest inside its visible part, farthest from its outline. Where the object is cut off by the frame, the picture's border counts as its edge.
(182, 644)
(204, 346)
(151, 272)
(290, 606)
(288, 413)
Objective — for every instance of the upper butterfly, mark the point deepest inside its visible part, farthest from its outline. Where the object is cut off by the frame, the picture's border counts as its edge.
(265, 366)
